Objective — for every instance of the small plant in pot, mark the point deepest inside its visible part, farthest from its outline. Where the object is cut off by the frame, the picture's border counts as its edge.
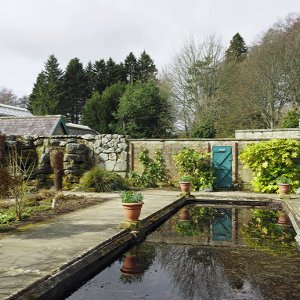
(284, 184)
(185, 184)
(132, 203)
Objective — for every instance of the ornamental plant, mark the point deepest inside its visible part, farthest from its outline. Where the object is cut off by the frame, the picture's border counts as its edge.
(101, 180)
(197, 166)
(270, 160)
(131, 197)
(154, 170)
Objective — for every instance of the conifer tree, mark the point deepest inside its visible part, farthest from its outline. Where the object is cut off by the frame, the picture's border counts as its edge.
(90, 77)
(100, 75)
(131, 68)
(143, 111)
(237, 49)
(146, 67)
(75, 91)
(47, 91)
(98, 112)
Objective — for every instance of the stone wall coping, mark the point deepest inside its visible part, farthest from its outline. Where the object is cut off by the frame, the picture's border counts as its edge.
(269, 130)
(208, 140)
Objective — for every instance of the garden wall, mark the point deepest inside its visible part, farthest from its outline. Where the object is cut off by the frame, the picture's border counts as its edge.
(116, 153)
(241, 175)
(81, 153)
(287, 133)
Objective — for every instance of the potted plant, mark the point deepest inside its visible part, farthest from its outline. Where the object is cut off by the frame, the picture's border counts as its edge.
(283, 218)
(284, 184)
(132, 203)
(185, 184)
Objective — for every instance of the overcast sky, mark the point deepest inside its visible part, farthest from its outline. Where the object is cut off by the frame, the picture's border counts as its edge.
(31, 30)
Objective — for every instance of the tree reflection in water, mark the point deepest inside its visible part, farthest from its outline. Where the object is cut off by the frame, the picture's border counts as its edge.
(197, 274)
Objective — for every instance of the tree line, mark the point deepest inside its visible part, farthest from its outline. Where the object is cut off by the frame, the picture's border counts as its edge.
(204, 92)
(109, 97)
(215, 92)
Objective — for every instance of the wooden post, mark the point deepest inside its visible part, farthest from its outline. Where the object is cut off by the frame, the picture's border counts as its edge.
(2, 148)
(236, 162)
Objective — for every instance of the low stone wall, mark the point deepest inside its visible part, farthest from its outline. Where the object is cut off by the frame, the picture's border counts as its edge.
(81, 153)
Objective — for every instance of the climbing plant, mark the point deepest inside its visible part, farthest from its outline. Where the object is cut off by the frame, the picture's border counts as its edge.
(270, 160)
(196, 165)
(154, 170)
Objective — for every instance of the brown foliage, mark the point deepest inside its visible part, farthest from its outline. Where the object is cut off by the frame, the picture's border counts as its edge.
(57, 160)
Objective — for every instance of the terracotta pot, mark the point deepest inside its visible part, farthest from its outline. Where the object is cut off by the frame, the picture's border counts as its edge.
(283, 218)
(132, 211)
(185, 187)
(132, 264)
(284, 188)
(184, 214)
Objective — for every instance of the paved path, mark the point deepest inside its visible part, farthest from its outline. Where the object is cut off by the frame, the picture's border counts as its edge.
(38, 251)
(44, 247)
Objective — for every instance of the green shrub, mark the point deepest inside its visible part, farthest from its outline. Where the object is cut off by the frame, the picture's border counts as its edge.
(154, 170)
(270, 160)
(102, 180)
(290, 119)
(197, 166)
(205, 131)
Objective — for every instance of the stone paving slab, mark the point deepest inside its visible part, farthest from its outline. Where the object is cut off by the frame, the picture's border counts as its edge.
(41, 249)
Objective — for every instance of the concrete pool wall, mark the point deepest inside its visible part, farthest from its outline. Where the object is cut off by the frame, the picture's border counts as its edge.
(94, 258)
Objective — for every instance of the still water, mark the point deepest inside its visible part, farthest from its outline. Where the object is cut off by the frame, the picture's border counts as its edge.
(206, 253)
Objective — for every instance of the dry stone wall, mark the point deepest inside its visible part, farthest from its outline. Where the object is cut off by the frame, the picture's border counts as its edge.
(81, 153)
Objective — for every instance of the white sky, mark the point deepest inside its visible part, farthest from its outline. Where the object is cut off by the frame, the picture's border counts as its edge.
(31, 30)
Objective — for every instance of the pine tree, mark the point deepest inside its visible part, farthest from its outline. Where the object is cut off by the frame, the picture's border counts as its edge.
(237, 49)
(146, 67)
(113, 74)
(131, 68)
(47, 91)
(90, 77)
(36, 104)
(75, 91)
(100, 75)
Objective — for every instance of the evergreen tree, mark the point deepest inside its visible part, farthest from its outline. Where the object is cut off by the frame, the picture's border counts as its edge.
(75, 91)
(146, 67)
(98, 112)
(90, 77)
(131, 68)
(237, 49)
(113, 72)
(47, 91)
(100, 75)
(37, 105)
(143, 111)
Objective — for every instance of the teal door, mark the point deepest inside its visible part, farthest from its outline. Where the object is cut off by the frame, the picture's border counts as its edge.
(222, 164)
(222, 225)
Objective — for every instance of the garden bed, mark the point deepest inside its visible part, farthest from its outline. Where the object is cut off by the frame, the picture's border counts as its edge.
(42, 212)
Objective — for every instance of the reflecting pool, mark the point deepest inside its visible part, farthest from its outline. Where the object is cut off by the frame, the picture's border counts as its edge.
(206, 252)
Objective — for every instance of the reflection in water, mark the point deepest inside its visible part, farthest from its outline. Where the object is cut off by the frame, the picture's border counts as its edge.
(198, 274)
(178, 260)
(136, 261)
